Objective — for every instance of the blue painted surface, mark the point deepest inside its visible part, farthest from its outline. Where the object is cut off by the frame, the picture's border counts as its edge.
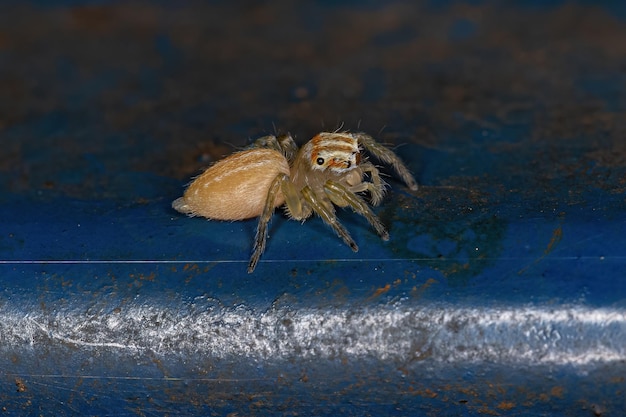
(501, 291)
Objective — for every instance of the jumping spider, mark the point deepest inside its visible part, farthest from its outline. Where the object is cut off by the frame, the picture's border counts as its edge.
(328, 170)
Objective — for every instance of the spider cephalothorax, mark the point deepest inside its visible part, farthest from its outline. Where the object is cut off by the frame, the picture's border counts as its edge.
(328, 170)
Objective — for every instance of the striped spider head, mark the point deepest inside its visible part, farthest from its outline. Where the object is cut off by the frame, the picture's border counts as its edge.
(335, 152)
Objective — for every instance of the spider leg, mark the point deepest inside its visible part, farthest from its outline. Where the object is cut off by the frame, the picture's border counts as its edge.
(268, 210)
(269, 141)
(376, 187)
(293, 202)
(283, 144)
(326, 212)
(288, 147)
(343, 197)
(387, 156)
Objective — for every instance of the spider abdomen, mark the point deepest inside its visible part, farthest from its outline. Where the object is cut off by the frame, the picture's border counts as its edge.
(236, 187)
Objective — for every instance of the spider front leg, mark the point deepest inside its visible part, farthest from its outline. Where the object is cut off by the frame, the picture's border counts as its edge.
(261, 231)
(326, 212)
(343, 197)
(376, 187)
(387, 156)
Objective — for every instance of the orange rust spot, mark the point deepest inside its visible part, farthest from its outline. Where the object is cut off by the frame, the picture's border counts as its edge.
(557, 391)
(557, 235)
(150, 277)
(381, 291)
(426, 393)
(190, 267)
(419, 291)
(467, 391)
(488, 411)
(506, 405)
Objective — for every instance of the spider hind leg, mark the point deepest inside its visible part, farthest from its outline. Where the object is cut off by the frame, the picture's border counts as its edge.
(261, 232)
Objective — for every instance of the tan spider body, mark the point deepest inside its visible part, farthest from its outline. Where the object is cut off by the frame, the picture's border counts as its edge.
(327, 171)
(232, 189)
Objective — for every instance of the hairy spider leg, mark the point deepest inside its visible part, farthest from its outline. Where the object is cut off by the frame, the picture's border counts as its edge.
(288, 147)
(343, 197)
(293, 202)
(283, 144)
(386, 155)
(326, 212)
(376, 187)
(269, 141)
(268, 210)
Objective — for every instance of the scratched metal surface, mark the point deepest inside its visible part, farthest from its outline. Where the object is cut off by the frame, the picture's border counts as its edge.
(502, 289)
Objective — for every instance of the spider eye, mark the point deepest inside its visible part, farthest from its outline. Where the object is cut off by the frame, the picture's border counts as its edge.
(320, 161)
